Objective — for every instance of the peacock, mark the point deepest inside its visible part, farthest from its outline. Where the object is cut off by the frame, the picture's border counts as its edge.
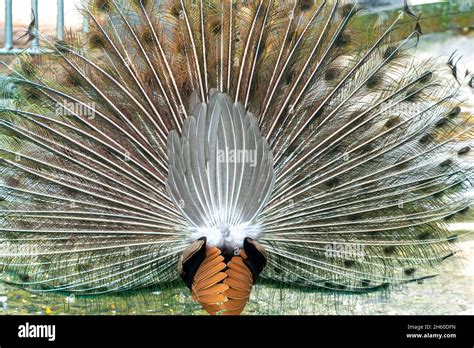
(220, 143)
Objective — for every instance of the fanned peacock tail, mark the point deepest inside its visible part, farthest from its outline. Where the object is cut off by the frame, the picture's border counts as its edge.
(224, 140)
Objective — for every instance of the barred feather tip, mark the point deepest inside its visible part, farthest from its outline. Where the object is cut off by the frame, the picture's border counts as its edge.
(223, 142)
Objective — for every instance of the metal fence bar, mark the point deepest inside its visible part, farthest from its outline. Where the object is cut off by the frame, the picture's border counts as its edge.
(8, 47)
(85, 22)
(60, 21)
(8, 25)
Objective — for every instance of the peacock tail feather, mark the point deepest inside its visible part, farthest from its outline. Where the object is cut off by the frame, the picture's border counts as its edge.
(278, 133)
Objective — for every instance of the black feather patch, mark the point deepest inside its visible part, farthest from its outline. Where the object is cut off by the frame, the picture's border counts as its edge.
(408, 10)
(256, 257)
(190, 266)
(417, 28)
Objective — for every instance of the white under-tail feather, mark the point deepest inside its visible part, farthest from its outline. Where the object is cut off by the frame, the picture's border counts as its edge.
(221, 172)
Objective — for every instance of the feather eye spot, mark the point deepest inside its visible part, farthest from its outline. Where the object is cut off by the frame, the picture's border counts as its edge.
(426, 77)
(27, 69)
(464, 150)
(328, 285)
(62, 46)
(446, 163)
(147, 37)
(149, 78)
(143, 3)
(412, 96)
(449, 217)
(424, 235)
(103, 5)
(389, 250)
(349, 263)
(306, 5)
(454, 112)
(373, 81)
(289, 76)
(12, 182)
(176, 10)
(83, 267)
(24, 277)
(409, 271)
(441, 122)
(216, 27)
(393, 121)
(73, 80)
(425, 139)
(331, 74)
(332, 183)
(354, 217)
(343, 39)
(348, 9)
(368, 148)
(96, 41)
